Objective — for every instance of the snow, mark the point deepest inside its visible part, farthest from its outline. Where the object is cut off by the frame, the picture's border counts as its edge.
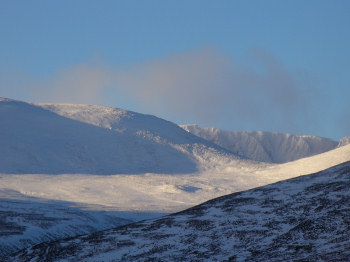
(304, 218)
(27, 220)
(162, 192)
(108, 159)
(39, 141)
(265, 146)
(102, 140)
(344, 141)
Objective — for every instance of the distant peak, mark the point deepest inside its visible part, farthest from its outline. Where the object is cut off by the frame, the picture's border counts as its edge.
(3, 99)
(344, 141)
(188, 125)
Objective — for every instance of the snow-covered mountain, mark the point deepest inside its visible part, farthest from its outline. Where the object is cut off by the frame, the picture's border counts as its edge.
(47, 195)
(56, 139)
(163, 192)
(42, 140)
(26, 221)
(103, 158)
(344, 141)
(265, 146)
(304, 219)
(39, 140)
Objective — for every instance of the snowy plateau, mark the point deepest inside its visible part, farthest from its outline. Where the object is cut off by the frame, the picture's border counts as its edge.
(72, 170)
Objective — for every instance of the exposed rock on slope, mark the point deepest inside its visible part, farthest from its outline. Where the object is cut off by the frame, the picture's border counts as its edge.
(304, 218)
(265, 146)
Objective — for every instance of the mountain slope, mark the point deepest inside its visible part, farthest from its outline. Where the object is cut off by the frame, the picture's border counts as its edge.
(26, 221)
(344, 141)
(164, 193)
(95, 140)
(37, 140)
(304, 218)
(81, 144)
(265, 146)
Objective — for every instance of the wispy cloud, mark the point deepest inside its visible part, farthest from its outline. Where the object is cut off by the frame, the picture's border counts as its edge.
(79, 84)
(189, 83)
(203, 86)
(209, 86)
(82, 83)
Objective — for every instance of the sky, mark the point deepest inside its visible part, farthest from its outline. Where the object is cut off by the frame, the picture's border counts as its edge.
(281, 66)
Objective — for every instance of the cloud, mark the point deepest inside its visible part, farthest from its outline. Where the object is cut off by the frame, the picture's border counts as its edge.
(79, 84)
(82, 83)
(203, 86)
(188, 83)
(208, 86)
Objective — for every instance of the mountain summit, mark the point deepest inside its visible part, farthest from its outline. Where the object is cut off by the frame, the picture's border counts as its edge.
(56, 139)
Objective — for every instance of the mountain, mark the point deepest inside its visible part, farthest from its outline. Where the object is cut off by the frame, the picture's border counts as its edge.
(26, 221)
(58, 139)
(265, 146)
(344, 141)
(304, 219)
(66, 144)
(62, 167)
(166, 193)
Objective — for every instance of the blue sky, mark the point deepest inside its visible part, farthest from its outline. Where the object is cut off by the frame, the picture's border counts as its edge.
(237, 65)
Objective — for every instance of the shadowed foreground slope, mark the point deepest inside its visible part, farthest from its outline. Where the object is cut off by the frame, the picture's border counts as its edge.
(26, 221)
(305, 218)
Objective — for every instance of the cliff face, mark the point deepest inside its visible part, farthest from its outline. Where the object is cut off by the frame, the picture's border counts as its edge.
(265, 146)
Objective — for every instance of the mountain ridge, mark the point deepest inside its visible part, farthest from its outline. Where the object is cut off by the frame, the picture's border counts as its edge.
(38, 140)
(266, 146)
(168, 169)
